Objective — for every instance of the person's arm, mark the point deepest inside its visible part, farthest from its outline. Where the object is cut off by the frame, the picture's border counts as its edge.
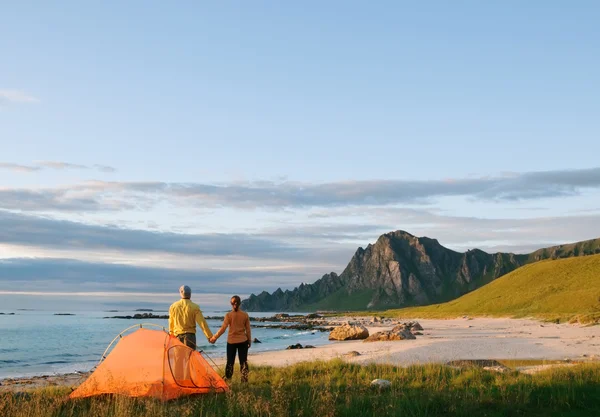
(203, 324)
(248, 331)
(171, 323)
(223, 327)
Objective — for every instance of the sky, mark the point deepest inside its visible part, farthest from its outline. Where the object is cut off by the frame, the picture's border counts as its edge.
(249, 146)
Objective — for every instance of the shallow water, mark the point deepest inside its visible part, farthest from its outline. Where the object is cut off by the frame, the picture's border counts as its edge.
(41, 343)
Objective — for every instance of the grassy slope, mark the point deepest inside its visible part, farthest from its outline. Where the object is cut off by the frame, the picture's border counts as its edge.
(557, 289)
(328, 389)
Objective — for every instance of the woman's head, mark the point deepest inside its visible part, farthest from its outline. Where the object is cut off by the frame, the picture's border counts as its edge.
(235, 302)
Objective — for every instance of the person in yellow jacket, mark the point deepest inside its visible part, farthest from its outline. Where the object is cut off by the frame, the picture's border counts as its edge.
(183, 316)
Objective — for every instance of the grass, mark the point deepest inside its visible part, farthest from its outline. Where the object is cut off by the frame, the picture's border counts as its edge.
(556, 290)
(335, 388)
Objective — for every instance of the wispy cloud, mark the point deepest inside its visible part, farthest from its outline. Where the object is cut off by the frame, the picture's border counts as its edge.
(57, 165)
(60, 165)
(16, 96)
(102, 195)
(105, 168)
(19, 168)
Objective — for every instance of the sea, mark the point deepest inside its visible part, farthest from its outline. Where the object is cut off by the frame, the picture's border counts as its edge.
(40, 342)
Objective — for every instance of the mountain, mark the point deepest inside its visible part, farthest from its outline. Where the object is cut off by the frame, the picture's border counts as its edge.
(403, 270)
(561, 288)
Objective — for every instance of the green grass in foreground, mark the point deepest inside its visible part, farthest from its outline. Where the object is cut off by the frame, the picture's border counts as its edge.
(340, 389)
(558, 290)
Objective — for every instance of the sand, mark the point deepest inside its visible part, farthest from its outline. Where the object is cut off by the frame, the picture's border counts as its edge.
(442, 341)
(447, 340)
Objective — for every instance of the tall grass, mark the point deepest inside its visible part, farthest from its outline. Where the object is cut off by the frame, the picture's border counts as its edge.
(327, 389)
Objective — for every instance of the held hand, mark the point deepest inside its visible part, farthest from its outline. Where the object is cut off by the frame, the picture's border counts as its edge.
(212, 340)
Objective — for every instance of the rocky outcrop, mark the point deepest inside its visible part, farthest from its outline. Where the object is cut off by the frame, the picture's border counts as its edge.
(349, 332)
(140, 316)
(402, 270)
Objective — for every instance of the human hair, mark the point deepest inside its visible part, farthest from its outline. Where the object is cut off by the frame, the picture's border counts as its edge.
(237, 298)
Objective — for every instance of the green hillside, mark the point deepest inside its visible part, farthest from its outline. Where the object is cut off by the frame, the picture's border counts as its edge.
(562, 289)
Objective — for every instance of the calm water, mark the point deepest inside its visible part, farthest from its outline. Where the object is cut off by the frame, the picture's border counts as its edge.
(41, 343)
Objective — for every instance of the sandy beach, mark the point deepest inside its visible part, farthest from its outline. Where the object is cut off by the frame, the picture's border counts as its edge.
(447, 340)
(442, 341)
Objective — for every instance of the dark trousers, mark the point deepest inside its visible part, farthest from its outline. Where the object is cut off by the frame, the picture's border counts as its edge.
(242, 351)
(188, 339)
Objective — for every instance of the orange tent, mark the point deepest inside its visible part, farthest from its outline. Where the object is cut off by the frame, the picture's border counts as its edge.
(151, 363)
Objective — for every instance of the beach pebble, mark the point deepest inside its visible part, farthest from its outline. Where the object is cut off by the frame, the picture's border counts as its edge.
(353, 353)
(381, 383)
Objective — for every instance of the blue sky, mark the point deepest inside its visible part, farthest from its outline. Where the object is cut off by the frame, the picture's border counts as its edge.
(255, 145)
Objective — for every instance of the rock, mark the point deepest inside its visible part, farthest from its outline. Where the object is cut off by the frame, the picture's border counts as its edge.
(281, 316)
(140, 316)
(376, 319)
(352, 354)
(400, 328)
(390, 335)
(313, 316)
(299, 346)
(415, 325)
(381, 383)
(349, 332)
(256, 340)
(417, 333)
(486, 364)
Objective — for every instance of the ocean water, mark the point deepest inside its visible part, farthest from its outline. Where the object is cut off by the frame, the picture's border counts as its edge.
(42, 343)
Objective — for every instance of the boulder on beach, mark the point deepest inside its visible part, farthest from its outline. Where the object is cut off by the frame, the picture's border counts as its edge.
(412, 326)
(352, 354)
(390, 335)
(256, 340)
(349, 332)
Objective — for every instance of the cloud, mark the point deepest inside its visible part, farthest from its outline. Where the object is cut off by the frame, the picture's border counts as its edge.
(521, 235)
(16, 96)
(55, 200)
(56, 165)
(70, 275)
(47, 233)
(18, 168)
(105, 168)
(272, 195)
(60, 165)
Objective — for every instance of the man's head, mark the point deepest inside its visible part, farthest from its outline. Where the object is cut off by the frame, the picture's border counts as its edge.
(185, 291)
(235, 302)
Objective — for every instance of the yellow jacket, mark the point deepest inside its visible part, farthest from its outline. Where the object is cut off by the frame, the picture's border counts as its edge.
(183, 316)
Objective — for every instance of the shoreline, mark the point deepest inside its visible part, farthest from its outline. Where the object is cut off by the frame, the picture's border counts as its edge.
(443, 340)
